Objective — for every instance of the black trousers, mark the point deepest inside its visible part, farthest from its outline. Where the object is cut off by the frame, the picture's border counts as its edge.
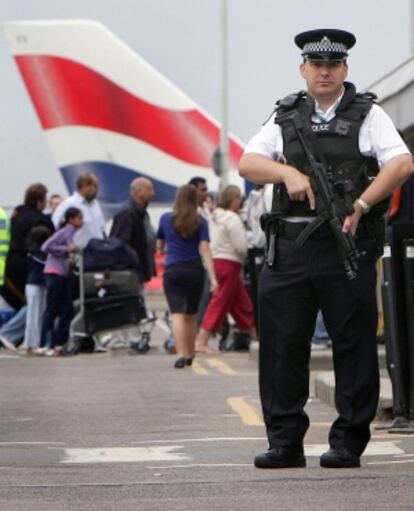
(58, 305)
(302, 280)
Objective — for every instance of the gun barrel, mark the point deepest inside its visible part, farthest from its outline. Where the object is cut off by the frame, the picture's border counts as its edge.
(347, 248)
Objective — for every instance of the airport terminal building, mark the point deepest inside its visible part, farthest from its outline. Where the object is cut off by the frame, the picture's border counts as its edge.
(395, 93)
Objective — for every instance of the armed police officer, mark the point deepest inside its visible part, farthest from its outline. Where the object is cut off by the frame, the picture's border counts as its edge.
(311, 263)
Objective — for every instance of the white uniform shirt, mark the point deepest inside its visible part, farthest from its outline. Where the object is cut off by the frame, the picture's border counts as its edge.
(93, 219)
(377, 137)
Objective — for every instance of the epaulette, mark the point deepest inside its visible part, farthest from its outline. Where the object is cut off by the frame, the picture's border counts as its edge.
(290, 101)
(370, 96)
(362, 104)
(287, 103)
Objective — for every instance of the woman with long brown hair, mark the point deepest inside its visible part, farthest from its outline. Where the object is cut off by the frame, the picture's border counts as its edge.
(184, 234)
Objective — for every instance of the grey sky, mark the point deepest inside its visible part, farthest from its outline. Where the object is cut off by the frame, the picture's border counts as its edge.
(181, 38)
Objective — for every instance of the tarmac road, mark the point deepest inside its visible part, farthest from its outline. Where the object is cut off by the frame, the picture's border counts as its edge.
(130, 432)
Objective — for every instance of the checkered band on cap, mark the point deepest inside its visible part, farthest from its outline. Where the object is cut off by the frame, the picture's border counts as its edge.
(325, 45)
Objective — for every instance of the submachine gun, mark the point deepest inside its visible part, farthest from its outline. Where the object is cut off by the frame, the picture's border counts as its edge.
(333, 200)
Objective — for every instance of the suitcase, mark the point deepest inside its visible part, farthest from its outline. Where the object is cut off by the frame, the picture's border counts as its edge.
(101, 284)
(112, 312)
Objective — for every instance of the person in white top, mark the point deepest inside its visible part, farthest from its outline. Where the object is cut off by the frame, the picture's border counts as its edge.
(84, 198)
(256, 207)
(367, 158)
(228, 242)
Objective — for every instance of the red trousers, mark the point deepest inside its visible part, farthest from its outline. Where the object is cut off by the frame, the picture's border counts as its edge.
(231, 298)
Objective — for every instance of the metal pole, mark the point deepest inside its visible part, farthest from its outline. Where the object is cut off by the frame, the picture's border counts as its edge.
(409, 294)
(224, 141)
(411, 28)
(393, 338)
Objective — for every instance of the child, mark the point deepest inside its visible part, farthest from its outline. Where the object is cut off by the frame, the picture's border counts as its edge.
(35, 289)
(59, 300)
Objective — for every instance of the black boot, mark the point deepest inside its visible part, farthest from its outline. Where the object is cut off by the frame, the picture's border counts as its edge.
(340, 458)
(280, 457)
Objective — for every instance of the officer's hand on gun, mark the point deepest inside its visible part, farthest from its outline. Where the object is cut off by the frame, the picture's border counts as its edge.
(298, 186)
(351, 222)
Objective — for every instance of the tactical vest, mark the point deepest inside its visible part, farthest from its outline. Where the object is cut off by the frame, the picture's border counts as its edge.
(336, 144)
(4, 242)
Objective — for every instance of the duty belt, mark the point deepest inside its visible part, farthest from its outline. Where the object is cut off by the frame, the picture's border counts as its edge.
(300, 232)
(291, 230)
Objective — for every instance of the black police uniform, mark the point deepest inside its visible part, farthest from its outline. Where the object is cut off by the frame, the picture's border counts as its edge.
(303, 279)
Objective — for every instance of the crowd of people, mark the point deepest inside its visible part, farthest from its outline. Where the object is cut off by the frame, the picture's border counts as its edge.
(204, 237)
(37, 289)
(207, 239)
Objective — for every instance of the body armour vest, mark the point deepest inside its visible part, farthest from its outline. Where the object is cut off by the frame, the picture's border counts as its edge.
(336, 143)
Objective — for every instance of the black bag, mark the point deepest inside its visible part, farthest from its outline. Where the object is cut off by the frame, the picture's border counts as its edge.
(235, 341)
(110, 253)
(78, 344)
(112, 312)
(104, 283)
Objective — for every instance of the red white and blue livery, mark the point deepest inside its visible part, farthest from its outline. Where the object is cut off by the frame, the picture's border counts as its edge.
(103, 108)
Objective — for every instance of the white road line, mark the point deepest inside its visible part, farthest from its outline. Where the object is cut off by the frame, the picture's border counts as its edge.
(380, 437)
(389, 462)
(174, 453)
(202, 465)
(31, 443)
(208, 439)
(387, 435)
(373, 449)
(123, 455)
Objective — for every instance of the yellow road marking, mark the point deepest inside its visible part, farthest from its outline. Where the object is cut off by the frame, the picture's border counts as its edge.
(198, 369)
(247, 413)
(221, 366)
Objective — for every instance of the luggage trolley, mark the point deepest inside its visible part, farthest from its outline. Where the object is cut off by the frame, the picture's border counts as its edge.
(110, 302)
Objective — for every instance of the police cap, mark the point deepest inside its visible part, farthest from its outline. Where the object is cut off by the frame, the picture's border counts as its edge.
(325, 44)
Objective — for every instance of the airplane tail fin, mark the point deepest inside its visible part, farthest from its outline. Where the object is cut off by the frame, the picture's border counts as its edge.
(105, 109)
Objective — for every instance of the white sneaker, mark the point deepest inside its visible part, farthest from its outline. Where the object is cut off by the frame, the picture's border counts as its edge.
(40, 351)
(52, 353)
(8, 344)
(318, 346)
(100, 349)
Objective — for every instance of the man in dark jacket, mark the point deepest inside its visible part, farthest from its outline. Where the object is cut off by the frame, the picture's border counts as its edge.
(23, 219)
(132, 225)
